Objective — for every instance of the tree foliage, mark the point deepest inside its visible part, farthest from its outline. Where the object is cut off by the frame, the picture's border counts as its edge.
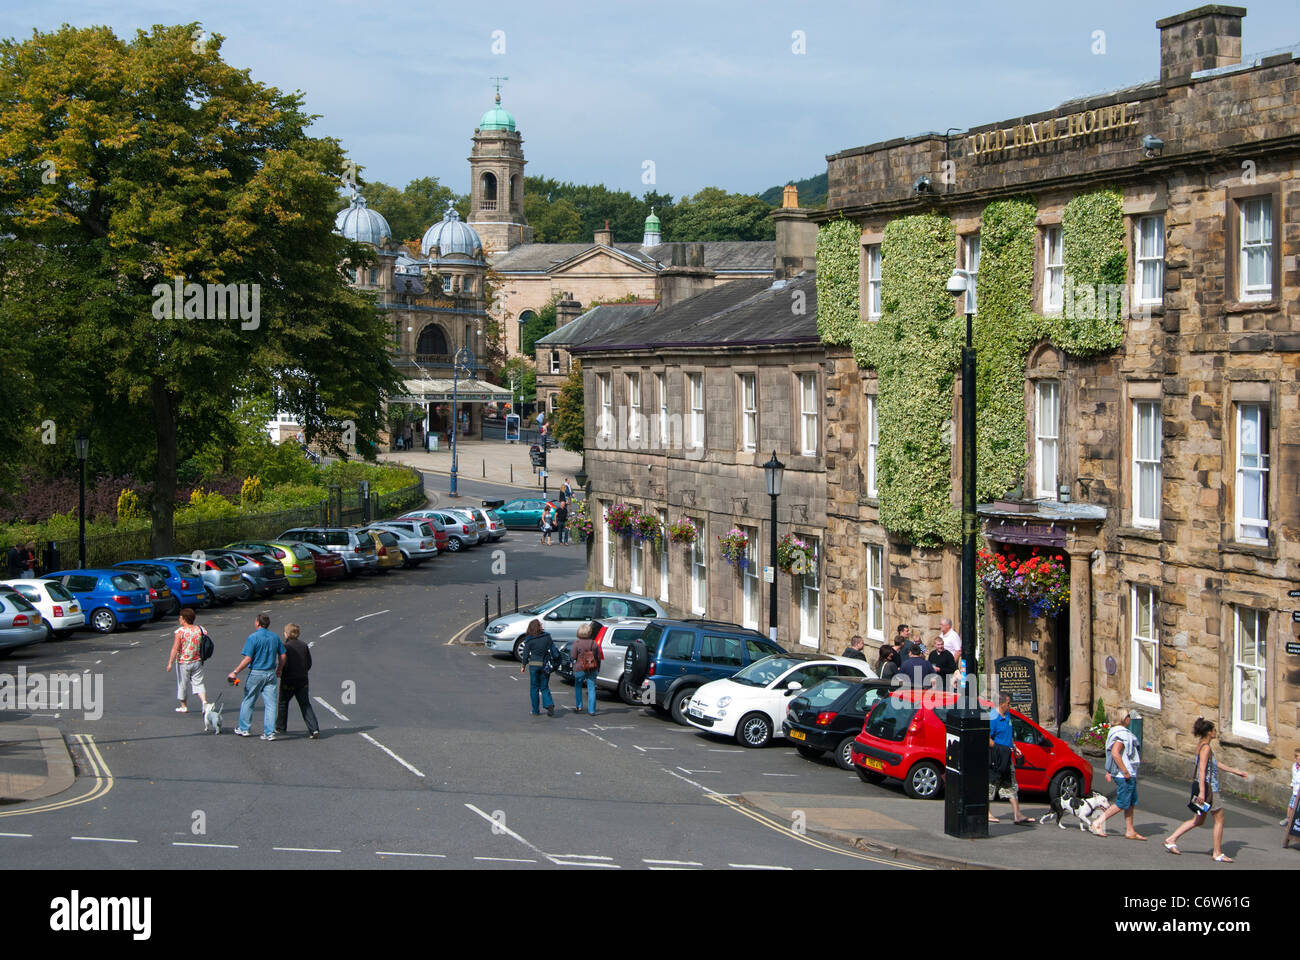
(569, 419)
(538, 326)
(714, 214)
(413, 209)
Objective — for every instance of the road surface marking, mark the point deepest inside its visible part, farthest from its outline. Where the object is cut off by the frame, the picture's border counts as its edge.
(105, 839)
(222, 846)
(780, 774)
(391, 754)
(98, 768)
(331, 709)
(584, 863)
(15, 834)
(674, 863)
(311, 643)
(579, 856)
(328, 632)
(684, 770)
(644, 749)
(673, 773)
(398, 853)
(721, 750)
(506, 859)
(304, 850)
(599, 727)
(366, 616)
(499, 827)
(757, 866)
(598, 737)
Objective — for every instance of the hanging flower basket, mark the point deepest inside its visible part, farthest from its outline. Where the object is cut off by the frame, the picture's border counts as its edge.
(645, 528)
(579, 521)
(683, 532)
(792, 553)
(734, 545)
(1039, 583)
(619, 519)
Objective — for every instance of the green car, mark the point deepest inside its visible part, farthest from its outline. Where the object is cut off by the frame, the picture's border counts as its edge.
(523, 514)
(299, 566)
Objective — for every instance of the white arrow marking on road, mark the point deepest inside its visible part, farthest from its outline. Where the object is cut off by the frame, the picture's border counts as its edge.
(311, 643)
(322, 702)
(328, 632)
(391, 754)
(368, 615)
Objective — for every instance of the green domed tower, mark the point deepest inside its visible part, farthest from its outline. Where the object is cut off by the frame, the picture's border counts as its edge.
(496, 162)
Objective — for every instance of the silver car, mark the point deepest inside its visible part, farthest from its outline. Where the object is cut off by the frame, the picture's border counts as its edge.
(221, 579)
(472, 517)
(562, 615)
(20, 622)
(415, 539)
(356, 549)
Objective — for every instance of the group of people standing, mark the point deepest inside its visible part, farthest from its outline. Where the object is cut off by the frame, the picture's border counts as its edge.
(908, 657)
(20, 561)
(555, 516)
(542, 656)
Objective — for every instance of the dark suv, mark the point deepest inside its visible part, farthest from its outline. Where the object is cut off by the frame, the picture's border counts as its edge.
(674, 658)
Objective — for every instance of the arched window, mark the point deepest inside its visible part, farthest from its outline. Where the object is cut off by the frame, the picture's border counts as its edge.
(516, 198)
(432, 342)
(488, 191)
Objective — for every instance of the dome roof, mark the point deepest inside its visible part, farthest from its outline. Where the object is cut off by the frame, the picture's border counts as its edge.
(358, 222)
(497, 118)
(449, 236)
(652, 222)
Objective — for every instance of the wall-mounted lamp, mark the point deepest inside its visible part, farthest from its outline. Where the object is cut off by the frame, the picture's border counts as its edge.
(1152, 146)
(922, 185)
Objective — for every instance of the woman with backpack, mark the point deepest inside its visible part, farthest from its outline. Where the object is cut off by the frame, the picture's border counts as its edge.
(187, 655)
(541, 656)
(587, 655)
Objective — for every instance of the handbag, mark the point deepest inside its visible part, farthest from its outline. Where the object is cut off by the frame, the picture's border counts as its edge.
(206, 648)
(1192, 804)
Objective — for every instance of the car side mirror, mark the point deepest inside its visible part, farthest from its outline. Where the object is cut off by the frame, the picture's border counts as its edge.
(794, 687)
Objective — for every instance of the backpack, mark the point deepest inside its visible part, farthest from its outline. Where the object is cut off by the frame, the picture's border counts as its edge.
(205, 647)
(587, 661)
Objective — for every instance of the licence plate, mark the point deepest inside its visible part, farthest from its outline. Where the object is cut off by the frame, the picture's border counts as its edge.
(873, 764)
(695, 711)
(798, 735)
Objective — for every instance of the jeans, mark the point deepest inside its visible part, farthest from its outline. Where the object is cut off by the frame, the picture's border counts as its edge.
(563, 529)
(260, 683)
(539, 681)
(589, 678)
(295, 690)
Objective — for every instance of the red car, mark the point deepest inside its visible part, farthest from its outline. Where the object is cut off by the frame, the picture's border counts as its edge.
(329, 565)
(904, 738)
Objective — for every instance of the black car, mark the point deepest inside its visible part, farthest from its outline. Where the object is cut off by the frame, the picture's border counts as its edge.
(830, 715)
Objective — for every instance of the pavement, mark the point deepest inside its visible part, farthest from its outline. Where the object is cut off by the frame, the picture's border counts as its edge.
(34, 763)
(493, 461)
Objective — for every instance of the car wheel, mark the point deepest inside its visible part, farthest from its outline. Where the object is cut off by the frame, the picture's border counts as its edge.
(1066, 785)
(626, 693)
(681, 700)
(103, 621)
(924, 781)
(754, 730)
(49, 630)
(519, 648)
(869, 776)
(844, 753)
(212, 597)
(245, 591)
(454, 544)
(810, 753)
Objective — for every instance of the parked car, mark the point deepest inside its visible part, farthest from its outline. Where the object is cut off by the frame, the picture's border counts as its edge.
(829, 716)
(613, 638)
(478, 522)
(108, 597)
(461, 533)
(387, 552)
(220, 576)
(294, 557)
(358, 551)
(684, 655)
(60, 611)
(186, 588)
(562, 615)
(160, 595)
(329, 566)
(20, 622)
(262, 574)
(494, 528)
(906, 739)
(751, 704)
(522, 514)
(415, 539)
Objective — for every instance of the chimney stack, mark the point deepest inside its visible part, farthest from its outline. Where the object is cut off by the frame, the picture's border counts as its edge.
(1199, 39)
(796, 237)
(605, 237)
(686, 276)
(566, 309)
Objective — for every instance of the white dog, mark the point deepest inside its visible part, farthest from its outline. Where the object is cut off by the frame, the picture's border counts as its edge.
(1084, 809)
(212, 716)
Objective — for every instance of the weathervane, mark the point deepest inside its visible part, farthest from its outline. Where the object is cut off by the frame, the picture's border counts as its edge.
(497, 81)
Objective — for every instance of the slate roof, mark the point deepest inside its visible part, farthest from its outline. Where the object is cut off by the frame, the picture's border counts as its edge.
(596, 322)
(756, 255)
(742, 312)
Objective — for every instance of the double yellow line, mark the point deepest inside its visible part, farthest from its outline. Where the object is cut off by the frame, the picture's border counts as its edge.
(98, 769)
(803, 838)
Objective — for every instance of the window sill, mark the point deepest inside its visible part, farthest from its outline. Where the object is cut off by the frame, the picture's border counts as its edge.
(1265, 551)
(1252, 306)
(1250, 738)
(1144, 699)
(1152, 534)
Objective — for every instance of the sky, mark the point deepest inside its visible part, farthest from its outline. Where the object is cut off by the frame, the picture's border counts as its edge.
(742, 96)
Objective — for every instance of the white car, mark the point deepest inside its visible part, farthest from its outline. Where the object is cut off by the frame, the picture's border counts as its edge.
(60, 610)
(751, 705)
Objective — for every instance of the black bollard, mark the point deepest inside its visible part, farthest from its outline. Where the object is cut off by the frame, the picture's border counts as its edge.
(516, 596)
(485, 611)
(498, 600)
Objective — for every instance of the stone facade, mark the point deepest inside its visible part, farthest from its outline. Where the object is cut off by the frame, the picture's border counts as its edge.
(1199, 152)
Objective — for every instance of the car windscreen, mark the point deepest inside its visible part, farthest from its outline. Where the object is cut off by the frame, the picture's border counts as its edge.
(544, 605)
(763, 672)
(123, 581)
(827, 692)
(889, 718)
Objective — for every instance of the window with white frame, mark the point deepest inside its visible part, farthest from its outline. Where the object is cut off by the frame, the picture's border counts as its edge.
(1145, 657)
(1256, 231)
(1249, 673)
(661, 387)
(606, 425)
(875, 592)
(1146, 463)
(810, 599)
(1046, 438)
(695, 383)
(555, 361)
(1053, 269)
(1252, 472)
(749, 588)
(634, 407)
(808, 414)
(874, 301)
(663, 553)
(607, 547)
(1149, 266)
(635, 558)
(699, 572)
(748, 412)
(970, 247)
(873, 444)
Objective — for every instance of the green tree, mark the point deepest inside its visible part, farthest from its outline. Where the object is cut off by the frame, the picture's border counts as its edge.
(714, 214)
(538, 326)
(169, 163)
(413, 209)
(569, 419)
(523, 374)
(553, 222)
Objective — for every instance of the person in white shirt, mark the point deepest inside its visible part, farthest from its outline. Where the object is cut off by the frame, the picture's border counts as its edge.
(1122, 760)
(951, 640)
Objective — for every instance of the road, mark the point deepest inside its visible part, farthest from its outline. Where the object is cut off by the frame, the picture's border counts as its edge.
(428, 756)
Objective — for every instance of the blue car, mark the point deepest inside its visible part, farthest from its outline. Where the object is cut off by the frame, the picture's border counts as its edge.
(185, 582)
(108, 597)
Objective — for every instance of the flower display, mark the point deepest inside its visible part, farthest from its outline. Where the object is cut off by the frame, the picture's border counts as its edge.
(1040, 583)
(645, 527)
(794, 555)
(580, 521)
(733, 546)
(683, 532)
(1094, 737)
(619, 519)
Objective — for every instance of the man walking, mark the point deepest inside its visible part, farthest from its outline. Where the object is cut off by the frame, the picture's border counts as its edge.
(264, 655)
(586, 665)
(293, 685)
(1002, 754)
(1122, 759)
(854, 650)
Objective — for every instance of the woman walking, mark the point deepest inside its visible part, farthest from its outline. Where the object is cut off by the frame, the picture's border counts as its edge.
(1205, 791)
(186, 655)
(548, 523)
(540, 658)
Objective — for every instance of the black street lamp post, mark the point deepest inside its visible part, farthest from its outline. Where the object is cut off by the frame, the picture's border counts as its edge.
(464, 359)
(83, 451)
(773, 470)
(967, 762)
